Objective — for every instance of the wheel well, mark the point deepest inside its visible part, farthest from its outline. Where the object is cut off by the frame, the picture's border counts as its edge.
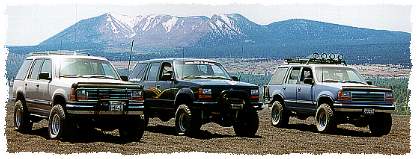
(58, 99)
(183, 99)
(322, 100)
(278, 98)
(20, 96)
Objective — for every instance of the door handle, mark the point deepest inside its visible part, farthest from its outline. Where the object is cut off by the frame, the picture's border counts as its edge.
(37, 85)
(157, 86)
(284, 88)
(26, 84)
(299, 89)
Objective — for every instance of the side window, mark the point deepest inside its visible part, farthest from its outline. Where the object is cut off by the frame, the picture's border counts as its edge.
(306, 73)
(47, 67)
(24, 69)
(138, 71)
(153, 72)
(36, 68)
(165, 69)
(294, 75)
(279, 75)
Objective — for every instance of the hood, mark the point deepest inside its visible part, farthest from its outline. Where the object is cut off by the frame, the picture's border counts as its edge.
(354, 86)
(94, 82)
(217, 82)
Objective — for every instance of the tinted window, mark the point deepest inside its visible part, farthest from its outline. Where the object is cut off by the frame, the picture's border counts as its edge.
(153, 72)
(295, 73)
(36, 68)
(139, 71)
(24, 69)
(278, 77)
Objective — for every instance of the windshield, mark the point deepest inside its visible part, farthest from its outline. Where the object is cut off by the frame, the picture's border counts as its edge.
(200, 70)
(338, 74)
(87, 68)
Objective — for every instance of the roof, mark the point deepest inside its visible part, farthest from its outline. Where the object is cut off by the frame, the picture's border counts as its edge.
(62, 54)
(176, 59)
(314, 65)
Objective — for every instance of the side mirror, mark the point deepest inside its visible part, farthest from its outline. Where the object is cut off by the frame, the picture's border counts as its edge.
(234, 78)
(124, 78)
(167, 76)
(45, 76)
(308, 81)
(369, 82)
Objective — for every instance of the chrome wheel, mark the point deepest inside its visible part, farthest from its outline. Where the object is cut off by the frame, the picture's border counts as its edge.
(276, 115)
(182, 121)
(56, 124)
(18, 114)
(322, 119)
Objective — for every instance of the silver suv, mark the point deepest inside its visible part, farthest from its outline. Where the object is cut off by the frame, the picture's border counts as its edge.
(76, 91)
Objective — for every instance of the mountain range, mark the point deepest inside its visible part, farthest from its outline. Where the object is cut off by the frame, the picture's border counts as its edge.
(166, 31)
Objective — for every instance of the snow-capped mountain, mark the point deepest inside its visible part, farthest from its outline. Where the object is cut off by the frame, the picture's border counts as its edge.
(166, 31)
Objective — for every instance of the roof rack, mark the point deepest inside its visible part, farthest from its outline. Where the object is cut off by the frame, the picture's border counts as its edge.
(56, 52)
(317, 58)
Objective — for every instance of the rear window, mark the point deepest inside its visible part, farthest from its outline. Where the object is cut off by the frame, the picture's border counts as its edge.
(278, 77)
(24, 69)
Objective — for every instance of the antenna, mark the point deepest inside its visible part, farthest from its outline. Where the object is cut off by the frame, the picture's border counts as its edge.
(130, 56)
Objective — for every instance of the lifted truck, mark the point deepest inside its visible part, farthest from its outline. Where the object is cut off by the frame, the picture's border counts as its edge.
(324, 87)
(76, 91)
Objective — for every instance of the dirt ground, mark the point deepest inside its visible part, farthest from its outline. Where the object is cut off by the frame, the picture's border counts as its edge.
(300, 137)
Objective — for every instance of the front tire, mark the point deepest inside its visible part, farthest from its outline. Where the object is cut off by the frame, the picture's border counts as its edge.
(380, 124)
(186, 123)
(279, 116)
(247, 123)
(22, 122)
(57, 122)
(325, 118)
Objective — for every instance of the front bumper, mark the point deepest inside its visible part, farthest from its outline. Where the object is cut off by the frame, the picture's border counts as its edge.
(350, 107)
(216, 106)
(96, 109)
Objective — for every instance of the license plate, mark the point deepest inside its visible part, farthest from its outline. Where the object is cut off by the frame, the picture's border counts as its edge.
(116, 105)
(368, 111)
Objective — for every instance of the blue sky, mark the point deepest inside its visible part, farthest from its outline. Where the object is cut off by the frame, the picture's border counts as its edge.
(31, 24)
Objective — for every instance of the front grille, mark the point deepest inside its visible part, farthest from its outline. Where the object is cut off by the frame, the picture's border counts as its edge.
(110, 94)
(368, 96)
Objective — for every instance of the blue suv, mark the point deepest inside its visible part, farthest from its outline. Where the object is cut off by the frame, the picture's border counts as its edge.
(334, 93)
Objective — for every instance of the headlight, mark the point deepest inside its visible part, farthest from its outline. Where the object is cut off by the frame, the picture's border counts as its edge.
(254, 92)
(82, 94)
(344, 95)
(204, 93)
(389, 97)
(136, 95)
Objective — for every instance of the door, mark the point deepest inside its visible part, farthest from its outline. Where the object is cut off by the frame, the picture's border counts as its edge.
(165, 85)
(43, 90)
(290, 87)
(149, 86)
(304, 91)
(32, 88)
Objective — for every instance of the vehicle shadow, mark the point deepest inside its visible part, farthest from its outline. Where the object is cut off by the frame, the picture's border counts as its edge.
(338, 131)
(85, 136)
(202, 134)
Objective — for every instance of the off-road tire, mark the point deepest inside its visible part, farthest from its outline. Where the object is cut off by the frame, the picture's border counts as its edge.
(247, 123)
(380, 124)
(279, 116)
(186, 123)
(133, 129)
(21, 117)
(325, 119)
(58, 127)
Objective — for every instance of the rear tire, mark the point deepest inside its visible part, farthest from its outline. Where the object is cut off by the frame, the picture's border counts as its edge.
(22, 121)
(133, 129)
(186, 123)
(57, 123)
(325, 118)
(279, 116)
(247, 123)
(380, 124)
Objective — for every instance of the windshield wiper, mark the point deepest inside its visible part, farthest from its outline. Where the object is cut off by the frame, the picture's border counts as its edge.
(194, 77)
(70, 76)
(98, 76)
(353, 82)
(330, 80)
(217, 77)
